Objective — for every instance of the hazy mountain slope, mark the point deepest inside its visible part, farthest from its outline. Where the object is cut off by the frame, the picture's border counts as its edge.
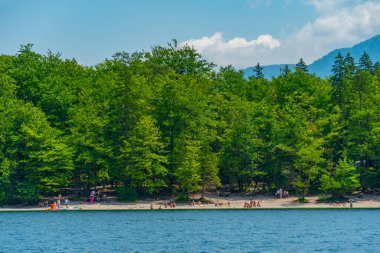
(322, 66)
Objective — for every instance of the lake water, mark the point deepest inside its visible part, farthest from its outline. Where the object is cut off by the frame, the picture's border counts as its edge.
(192, 231)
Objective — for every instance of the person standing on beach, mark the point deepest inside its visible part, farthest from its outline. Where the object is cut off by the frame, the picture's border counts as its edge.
(67, 201)
(59, 201)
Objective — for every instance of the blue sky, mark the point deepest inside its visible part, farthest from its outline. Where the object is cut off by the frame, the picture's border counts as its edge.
(237, 32)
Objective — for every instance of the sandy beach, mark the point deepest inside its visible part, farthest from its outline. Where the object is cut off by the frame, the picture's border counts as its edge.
(236, 202)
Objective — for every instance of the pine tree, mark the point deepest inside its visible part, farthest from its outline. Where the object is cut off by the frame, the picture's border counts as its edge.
(349, 65)
(338, 71)
(286, 71)
(365, 62)
(301, 66)
(258, 70)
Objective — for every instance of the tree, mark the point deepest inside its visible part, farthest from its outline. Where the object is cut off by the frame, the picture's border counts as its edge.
(308, 165)
(301, 66)
(365, 62)
(338, 70)
(258, 70)
(341, 179)
(349, 64)
(286, 71)
(188, 173)
(144, 158)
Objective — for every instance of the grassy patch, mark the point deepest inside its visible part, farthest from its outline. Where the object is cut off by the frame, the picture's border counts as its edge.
(302, 200)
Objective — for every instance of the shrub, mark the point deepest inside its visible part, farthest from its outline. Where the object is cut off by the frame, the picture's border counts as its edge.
(126, 193)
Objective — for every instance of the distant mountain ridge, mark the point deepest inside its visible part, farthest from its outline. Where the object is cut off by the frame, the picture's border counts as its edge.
(322, 66)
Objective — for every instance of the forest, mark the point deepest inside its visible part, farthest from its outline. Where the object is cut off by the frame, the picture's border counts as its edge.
(168, 122)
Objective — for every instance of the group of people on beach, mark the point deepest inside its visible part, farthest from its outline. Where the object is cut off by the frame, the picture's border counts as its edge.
(97, 197)
(280, 193)
(55, 205)
(252, 204)
(171, 204)
(217, 203)
(192, 203)
(338, 204)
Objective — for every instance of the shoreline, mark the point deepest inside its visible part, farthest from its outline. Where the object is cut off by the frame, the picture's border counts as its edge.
(370, 202)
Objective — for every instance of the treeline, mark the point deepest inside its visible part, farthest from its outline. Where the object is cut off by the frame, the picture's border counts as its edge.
(165, 121)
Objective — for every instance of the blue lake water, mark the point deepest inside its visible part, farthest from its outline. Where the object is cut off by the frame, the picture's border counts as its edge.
(192, 231)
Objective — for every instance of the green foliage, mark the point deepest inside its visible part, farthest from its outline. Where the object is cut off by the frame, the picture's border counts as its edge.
(301, 66)
(365, 62)
(188, 172)
(26, 193)
(258, 70)
(341, 179)
(143, 156)
(125, 193)
(165, 121)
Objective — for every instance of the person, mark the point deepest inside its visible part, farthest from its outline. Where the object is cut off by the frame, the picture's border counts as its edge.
(105, 198)
(245, 204)
(251, 203)
(254, 204)
(351, 203)
(91, 198)
(58, 203)
(160, 207)
(67, 202)
(228, 204)
(199, 203)
(166, 204)
(280, 193)
(258, 204)
(151, 206)
(192, 202)
(52, 206)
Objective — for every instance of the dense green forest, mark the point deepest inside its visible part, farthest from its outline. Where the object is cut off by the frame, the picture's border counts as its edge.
(169, 122)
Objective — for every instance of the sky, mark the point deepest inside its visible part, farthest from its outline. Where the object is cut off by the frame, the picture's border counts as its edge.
(236, 32)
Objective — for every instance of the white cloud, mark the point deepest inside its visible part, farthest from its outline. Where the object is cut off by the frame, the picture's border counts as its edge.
(237, 51)
(329, 5)
(342, 23)
(342, 28)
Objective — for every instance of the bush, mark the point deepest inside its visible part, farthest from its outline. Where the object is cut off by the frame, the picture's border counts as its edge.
(26, 193)
(125, 193)
(341, 180)
(182, 198)
(302, 200)
(3, 198)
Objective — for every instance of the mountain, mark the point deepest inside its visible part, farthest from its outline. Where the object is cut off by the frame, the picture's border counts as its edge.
(322, 67)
